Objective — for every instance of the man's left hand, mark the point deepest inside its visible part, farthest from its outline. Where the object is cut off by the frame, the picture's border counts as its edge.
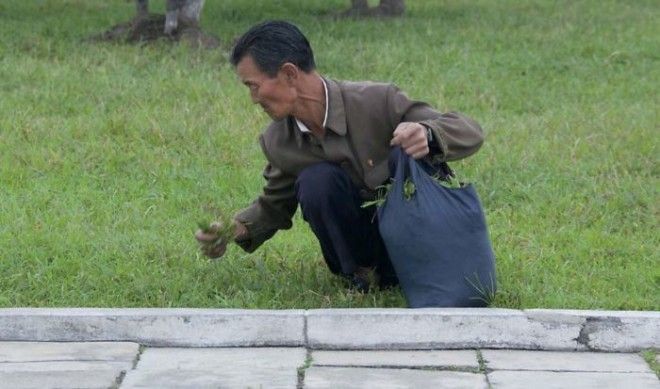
(412, 138)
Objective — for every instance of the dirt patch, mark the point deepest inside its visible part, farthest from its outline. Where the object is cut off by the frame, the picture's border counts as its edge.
(150, 29)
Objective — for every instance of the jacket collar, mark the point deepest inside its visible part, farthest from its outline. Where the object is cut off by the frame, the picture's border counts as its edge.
(336, 114)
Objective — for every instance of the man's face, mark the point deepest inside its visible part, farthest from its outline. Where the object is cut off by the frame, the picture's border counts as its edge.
(276, 95)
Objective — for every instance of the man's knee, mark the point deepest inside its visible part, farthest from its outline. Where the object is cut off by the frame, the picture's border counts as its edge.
(319, 182)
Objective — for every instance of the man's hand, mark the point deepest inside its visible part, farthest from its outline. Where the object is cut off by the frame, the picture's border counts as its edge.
(412, 138)
(212, 244)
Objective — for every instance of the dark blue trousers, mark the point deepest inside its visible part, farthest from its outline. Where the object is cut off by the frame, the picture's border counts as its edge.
(348, 234)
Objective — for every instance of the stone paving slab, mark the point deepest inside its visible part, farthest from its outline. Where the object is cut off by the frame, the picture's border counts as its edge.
(438, 328)
(382, 378)
(626, 331)
(89, 379)
(156, 326)
(506, 379)
(564, 361)
(67, 351)
(465, 359)
(217, 367)
(65, 366)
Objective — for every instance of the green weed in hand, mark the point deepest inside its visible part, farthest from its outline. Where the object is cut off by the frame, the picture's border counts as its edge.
(205, 226)
(223, 227)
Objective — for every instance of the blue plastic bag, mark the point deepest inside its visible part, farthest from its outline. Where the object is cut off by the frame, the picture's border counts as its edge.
(437, 241)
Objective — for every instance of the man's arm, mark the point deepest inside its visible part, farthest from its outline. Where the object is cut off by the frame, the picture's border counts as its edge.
(456, 136)
(271, 211)
(257, 223)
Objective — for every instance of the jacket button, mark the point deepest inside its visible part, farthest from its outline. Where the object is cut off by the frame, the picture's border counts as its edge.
(370, 162)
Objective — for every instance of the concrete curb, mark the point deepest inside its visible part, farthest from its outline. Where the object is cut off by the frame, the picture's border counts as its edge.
(155, 326)
(429, 328)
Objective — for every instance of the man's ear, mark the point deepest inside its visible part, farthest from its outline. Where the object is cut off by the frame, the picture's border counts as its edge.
(290, 72)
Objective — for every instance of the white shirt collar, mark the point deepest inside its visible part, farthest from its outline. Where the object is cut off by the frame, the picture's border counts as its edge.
(302, 126)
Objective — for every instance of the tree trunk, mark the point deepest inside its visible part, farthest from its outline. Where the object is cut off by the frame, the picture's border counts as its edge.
(142, 8)
(392, 7)
(180, 23)
(191, 12)
(359, 4)
(385, 8)
(182, 14)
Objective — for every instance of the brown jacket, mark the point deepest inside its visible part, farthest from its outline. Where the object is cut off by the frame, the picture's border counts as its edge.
(361, 119)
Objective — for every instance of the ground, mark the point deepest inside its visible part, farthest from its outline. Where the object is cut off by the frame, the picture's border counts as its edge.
(111, 153)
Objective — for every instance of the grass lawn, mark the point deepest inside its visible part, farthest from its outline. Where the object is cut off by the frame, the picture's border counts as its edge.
(110, 154)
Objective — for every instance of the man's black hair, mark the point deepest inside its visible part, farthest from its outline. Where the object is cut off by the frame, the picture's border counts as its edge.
(273, 43)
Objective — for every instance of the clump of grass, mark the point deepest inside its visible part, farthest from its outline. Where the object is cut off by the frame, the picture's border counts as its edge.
(650, 358)
(486, 293)
(222, 226)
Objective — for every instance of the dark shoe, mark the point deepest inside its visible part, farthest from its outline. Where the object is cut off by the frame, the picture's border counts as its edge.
(359, 281)
(359, 284)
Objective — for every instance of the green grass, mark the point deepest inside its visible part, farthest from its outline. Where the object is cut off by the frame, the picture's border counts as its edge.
(650, 358)
(110, 154)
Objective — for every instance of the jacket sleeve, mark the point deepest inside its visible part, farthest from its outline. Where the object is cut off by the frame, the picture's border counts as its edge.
(457, 135)
(271, 211)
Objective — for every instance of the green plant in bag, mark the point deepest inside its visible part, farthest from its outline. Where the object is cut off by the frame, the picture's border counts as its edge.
(409, 189)
(383, 190)
(450, 181)
(381, 194)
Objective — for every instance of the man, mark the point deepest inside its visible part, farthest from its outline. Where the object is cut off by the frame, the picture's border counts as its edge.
(328, 148)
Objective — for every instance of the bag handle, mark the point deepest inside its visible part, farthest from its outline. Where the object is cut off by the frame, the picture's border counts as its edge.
(404, 163)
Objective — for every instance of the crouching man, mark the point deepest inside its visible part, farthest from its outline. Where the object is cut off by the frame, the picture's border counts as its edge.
(328, 148)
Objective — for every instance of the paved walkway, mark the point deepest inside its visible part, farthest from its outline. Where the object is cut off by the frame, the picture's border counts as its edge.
(326, 348)
(128, 365)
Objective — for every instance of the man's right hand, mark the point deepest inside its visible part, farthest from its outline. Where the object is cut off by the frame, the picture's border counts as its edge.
(212, 245)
